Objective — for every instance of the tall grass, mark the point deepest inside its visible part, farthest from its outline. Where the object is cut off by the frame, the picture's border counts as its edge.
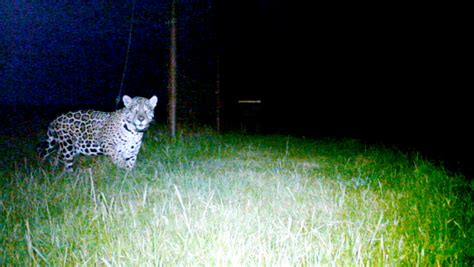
(236, 200)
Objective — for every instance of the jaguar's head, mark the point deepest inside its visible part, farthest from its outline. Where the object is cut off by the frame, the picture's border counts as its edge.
(139, 112)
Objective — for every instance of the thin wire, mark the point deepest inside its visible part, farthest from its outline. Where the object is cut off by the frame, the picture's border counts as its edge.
(119, 96)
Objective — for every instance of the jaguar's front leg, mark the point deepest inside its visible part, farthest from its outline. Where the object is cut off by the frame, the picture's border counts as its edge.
(130, 162)
(118, 160)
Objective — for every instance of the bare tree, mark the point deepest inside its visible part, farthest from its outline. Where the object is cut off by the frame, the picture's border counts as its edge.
(172, 74)
(218, 97)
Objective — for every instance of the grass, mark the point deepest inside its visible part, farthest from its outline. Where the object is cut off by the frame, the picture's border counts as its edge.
(236, 200)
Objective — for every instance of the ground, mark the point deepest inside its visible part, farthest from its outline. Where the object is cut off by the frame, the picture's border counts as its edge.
(234, 199)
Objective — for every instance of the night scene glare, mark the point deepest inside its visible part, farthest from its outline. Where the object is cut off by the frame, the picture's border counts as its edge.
(234, 133)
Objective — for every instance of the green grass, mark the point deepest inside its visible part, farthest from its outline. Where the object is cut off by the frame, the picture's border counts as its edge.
(236, 200)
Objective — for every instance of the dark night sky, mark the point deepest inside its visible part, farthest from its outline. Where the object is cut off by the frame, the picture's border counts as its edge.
(383, 73)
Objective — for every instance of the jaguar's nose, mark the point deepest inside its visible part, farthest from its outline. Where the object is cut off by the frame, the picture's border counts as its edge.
(141, 118)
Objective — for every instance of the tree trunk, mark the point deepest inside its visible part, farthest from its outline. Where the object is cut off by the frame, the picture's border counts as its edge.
(172, 74)
(218, 98)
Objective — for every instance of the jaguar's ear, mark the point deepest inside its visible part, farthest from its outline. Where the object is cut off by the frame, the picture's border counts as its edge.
(126, 100)
(153, 100)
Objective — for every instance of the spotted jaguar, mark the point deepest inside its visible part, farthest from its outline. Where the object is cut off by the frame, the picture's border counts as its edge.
(116, 134)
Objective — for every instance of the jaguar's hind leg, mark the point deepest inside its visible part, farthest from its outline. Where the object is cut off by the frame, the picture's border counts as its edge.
(66, 155)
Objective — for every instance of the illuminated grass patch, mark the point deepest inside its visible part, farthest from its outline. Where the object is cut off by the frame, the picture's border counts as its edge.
(238, 200)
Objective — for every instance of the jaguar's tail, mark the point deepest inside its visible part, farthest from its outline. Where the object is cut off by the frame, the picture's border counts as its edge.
(47, 146)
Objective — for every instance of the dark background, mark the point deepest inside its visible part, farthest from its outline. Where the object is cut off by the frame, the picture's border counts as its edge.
(384, 73)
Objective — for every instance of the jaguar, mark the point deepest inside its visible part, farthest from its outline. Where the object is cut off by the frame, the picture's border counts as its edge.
(116, 134)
